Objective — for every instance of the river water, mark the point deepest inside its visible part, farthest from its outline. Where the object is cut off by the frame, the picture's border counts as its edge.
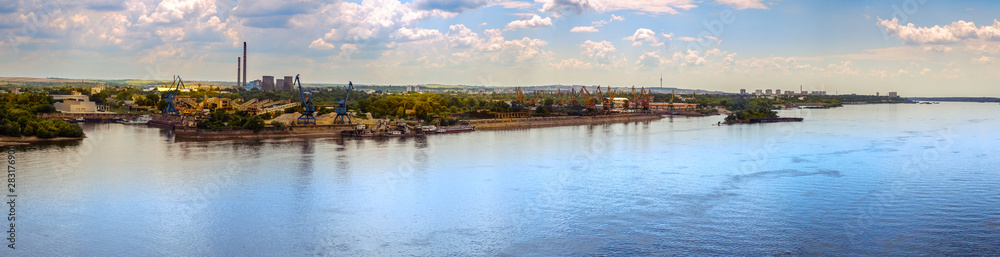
(894, 179)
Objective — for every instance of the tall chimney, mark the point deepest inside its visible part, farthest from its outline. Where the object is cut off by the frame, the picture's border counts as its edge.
(244, 64)
(238, 71)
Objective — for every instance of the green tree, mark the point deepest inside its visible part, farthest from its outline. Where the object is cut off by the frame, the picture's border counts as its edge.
(254, 123)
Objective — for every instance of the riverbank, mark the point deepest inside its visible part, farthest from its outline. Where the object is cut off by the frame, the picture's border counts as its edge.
(537, 122)
(290, 131)
(8, 141)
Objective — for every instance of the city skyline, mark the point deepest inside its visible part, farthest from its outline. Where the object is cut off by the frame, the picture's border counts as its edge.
(914, 47)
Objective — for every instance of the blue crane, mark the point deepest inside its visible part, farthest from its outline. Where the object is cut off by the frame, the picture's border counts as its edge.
(171, 109)
(308, 109)
(342, 107)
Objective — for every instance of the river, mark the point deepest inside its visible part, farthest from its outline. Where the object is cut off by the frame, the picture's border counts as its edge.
(889, 179)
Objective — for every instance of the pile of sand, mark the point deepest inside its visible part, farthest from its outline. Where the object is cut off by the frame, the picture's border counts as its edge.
(288, 118)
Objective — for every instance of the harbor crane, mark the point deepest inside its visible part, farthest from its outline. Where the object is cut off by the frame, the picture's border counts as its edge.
(342, 107)
(308, 109)
(175, 87)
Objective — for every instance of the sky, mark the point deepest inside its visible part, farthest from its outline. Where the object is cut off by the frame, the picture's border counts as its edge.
(914, 47)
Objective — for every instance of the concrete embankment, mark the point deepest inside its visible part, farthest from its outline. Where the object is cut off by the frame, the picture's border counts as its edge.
(290, 131)
(494, 124)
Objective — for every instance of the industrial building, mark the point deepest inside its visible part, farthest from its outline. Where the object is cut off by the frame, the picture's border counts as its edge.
(288, 84)
(267, 83)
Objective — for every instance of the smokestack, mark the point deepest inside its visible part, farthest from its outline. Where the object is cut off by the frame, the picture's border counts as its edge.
(238, 71)
(244, 64)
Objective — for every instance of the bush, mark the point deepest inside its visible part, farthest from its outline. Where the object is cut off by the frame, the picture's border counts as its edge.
(278, 125)
(254, 123)
(18, 117)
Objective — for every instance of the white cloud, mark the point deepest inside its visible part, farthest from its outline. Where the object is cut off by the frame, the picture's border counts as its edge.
(953, 33)
(460, 36)
(601, 51)
(844, 68)
(494, 48)
(650, 59)
(572, 63)
(982, 60)
(743, 4)
(597, 24)
(584, 29)
(532, 23)
(320, 44)
(348, 50)
(669, 37)
(690, 58)
(642, 35)
(372, 19)
(515, 4)
(417, 33)
(937, 48)
(558, 7)
(450, 5)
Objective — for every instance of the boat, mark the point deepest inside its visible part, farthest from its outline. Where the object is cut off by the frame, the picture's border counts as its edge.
(80, 119)
(144, 119)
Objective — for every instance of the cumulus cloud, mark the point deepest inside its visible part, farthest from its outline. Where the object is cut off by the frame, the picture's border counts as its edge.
(320, 44)
(572, 63)
(602, 51)
(515, 4)
(417, 33)
(643, 35)
(584, 29)
(982, 60)
(743, 4)
(462, 37)
(558, 7)
(597, 24)
(373, 19)
(953, 33)
(532, 23)
(450, 5)
(651, 59)
(844, 68)
(493, 46)
(690, 58)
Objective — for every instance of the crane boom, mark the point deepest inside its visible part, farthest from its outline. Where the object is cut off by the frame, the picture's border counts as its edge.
(342, 106)
(308, 109)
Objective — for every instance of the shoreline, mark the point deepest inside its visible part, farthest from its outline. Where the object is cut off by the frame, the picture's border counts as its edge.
(12, 141)
(540, 122)
(188, 133)
(334, 131)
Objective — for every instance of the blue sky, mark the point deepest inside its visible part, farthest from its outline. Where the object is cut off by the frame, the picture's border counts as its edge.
(915, 47)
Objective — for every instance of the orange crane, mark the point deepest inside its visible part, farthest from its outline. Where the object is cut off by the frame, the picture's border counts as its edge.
(573, 96)
(608, 103)
(589, 101)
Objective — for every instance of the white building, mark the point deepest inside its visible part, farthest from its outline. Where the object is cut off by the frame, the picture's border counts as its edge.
(76, 106)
